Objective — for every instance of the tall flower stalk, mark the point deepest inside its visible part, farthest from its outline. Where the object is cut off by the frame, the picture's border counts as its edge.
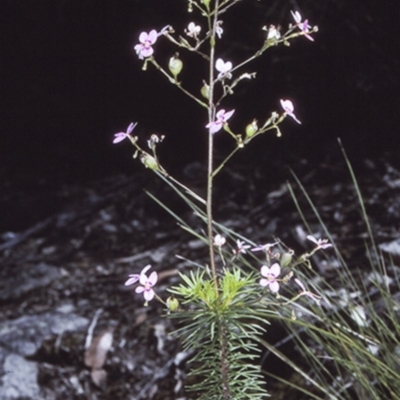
(223, 306)
(212, 22)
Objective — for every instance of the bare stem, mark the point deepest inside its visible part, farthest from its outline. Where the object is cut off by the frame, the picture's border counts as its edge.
(176, 83)
(211, 115)
(213, 22)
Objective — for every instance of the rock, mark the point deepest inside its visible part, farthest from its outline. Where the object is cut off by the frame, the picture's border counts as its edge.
(27, 278)
(392, 249)
(25, 335)
(20, 379)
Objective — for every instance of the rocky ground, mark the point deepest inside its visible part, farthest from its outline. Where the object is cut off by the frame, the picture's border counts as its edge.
(70, 329)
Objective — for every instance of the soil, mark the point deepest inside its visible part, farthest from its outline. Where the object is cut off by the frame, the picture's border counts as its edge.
(67, 250)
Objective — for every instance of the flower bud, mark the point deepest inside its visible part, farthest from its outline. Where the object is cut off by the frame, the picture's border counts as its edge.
(206, 3)
(251, 129)
(149, 161)
(175, 65)
(172, 303)
(286, 258)
(205, 90)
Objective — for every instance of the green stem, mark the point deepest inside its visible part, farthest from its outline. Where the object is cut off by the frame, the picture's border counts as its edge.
(176, 83)
(226, 392)
(211, 117)
(225, 161)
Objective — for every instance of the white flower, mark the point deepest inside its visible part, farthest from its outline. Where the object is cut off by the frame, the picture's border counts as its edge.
(270, 274)
(193, 30)
(273, 33)
(223, 68)
(218, 30)
(219, 240)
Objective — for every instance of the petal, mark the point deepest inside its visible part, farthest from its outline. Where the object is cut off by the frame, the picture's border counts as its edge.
(143, 279)
(219, 65)
(275, 269)
(312, 239)
(147, 51)
(220, 114)
(214, 127)
(296, 16)
(153, 278)
(143, 37)
(294, 117)
(228, 66)
(265, 271)
(287, 105)
(300, 283)
(152, 37)
(131, 127)
(140, 289)
(274, 287)
(145, 269)
(119, 137)
(132, 279)
(229, 114)
(149, 295)
(264, 282)
(309, 37)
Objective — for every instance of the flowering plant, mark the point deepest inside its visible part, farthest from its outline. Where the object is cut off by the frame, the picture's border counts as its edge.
(223, 306)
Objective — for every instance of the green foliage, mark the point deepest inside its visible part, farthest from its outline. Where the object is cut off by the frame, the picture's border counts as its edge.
(222, 326)
(350, 345)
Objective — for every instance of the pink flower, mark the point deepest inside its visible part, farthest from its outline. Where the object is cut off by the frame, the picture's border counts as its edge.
(305, 292)
(146, 40)
(321, 243)
(241, 247)
(223, 68)
(120, 136)
(288, 107)
(302, 25)
(221, 118)
(270, 274)
(264, 247)
(147, 283)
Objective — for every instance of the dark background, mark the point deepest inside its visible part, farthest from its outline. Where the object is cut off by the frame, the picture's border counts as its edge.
(71, 79)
